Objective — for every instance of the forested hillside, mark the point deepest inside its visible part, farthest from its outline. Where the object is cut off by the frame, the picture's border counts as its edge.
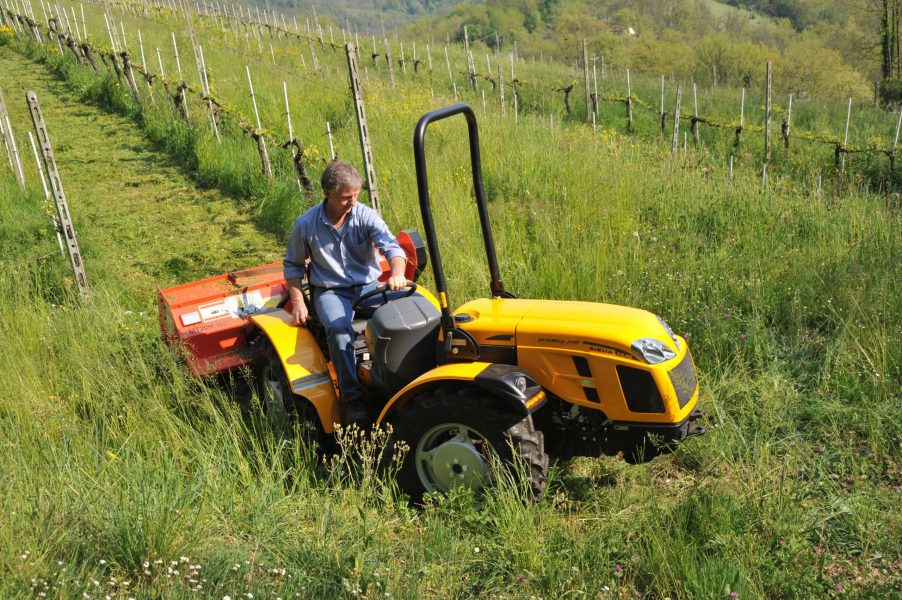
(820, 49)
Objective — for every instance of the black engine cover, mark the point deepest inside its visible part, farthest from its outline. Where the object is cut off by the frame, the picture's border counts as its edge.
(401, 337)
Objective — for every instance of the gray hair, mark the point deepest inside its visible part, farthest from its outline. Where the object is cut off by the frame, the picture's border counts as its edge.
(340, 175)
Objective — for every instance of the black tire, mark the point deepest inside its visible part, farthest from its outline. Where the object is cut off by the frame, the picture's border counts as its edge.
(450, 435)
(284, 410)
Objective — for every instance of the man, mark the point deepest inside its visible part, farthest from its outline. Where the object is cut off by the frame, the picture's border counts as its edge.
(340, 238)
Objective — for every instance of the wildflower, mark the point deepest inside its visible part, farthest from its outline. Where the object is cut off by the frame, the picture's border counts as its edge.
(734, 594)
(476, 549)
(839, 587)
(521, 577)
(618, 569)
(743, 336)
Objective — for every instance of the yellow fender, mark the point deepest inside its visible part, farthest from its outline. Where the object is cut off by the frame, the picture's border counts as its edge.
(304, 363)
(504, 381)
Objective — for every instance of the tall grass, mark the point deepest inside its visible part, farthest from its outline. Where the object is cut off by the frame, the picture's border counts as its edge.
(117, 459)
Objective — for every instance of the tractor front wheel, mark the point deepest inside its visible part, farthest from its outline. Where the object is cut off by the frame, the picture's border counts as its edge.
(452, 436)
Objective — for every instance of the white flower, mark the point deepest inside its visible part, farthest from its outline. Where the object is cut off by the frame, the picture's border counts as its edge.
(476, 549)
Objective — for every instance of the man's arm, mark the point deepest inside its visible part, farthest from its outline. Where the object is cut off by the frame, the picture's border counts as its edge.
(396, 279)
(295, 269)
(298, 306)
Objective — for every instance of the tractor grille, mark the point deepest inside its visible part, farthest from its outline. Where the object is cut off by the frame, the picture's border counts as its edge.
(682, 377)
(640, 390)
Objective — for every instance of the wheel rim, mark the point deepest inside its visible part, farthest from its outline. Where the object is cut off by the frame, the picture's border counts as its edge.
(273, 397)
(452, 455)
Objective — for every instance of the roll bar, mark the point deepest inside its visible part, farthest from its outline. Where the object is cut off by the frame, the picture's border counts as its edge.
(419, 152)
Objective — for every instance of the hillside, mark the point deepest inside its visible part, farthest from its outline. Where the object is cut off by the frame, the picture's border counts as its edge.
(123, 476)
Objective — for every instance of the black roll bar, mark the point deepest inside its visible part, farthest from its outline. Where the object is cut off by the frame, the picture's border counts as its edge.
(419, 152)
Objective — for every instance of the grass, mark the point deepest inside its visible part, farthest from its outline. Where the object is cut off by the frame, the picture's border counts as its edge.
(120, 468)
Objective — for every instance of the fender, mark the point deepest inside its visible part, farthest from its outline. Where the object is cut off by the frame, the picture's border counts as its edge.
(304, 363)
(514, 390)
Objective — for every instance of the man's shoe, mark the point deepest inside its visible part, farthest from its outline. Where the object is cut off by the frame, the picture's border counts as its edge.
(356, 413)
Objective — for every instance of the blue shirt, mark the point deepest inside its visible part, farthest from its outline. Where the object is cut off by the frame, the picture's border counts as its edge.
(341, 257)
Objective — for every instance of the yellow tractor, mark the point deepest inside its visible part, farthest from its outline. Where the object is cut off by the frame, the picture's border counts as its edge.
(515, 378)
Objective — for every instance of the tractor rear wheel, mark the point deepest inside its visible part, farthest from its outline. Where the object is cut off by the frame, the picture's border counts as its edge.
(451, 435)
(283, 409)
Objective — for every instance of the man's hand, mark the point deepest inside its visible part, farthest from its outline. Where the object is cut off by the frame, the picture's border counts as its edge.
(299, 313)
(397, 280)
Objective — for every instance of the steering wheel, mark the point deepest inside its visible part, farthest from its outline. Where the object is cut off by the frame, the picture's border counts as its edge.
(384, 291)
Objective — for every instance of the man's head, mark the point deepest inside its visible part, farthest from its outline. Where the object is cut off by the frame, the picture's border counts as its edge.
(341, 185)
(340, 174)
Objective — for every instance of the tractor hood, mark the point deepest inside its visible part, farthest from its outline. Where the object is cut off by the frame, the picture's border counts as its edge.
(574, 326)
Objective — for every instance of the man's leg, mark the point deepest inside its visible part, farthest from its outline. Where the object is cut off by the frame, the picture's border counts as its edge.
(333, 309)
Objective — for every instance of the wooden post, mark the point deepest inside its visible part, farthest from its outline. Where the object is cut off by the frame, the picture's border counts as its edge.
(206, 89)
(892, 156)
(845, 140)
(741, 119)
(362, 127)
(767, 111)
(56, 224)
(129, 74)
(501, 89)
(258, 133)
(471, 68)
(787, 122)
(663, 113)
(694, 121)
(147, 77)
(589, 111)
(391, 69)
(629, 102)
(676, 121)
(62, 207)
(12, 149)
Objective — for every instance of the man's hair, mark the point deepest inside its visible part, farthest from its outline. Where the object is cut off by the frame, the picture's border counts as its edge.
(339, 175)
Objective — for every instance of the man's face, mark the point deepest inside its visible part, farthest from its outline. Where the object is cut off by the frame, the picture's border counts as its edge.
(342, 201)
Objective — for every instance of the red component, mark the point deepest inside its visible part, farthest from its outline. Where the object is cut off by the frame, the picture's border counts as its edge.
(208, 317)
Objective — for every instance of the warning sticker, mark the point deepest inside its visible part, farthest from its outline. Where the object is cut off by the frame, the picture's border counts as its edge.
(191, 318)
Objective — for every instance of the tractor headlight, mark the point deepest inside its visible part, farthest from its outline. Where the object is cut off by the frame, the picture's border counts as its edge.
(670, 332)
(652, 350)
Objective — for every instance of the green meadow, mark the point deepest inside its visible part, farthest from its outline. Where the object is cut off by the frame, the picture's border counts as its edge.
(122, 476)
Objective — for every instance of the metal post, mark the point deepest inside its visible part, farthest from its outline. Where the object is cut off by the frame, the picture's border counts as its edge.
(362, 127)
(62, 207)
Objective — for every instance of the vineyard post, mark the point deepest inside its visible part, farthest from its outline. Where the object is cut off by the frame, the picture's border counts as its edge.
(258, 133)
(488, 65)
(741, 119)
(362, 127)
(663, 113)
(74, 21)
(403, 63)
(130, 75)
(471, 68)
(448, 63)
(182, 102)
(329, 136)
(845, 140)
(676, 121)
(787, 123)
(694, 121)
(62, 207)
(55, 220)
(9, 154)
(501, 89)
(12, 148)
(297, 150)
(629, 102)
(429, 57)
(764, 178)
(767, 111)
(483, 101)
(391, 69)
(163, 76)
(206, 87)
(892, 156)
(84, 28)
(147, 77)
(876, 96)
(589, 112)
(731, 166)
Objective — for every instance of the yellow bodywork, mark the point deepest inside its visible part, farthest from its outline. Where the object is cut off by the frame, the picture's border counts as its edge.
(305, 365)
(549, 334)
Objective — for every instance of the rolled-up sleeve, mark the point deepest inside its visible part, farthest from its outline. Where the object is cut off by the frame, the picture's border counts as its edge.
(383, 238)
(293, 265)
